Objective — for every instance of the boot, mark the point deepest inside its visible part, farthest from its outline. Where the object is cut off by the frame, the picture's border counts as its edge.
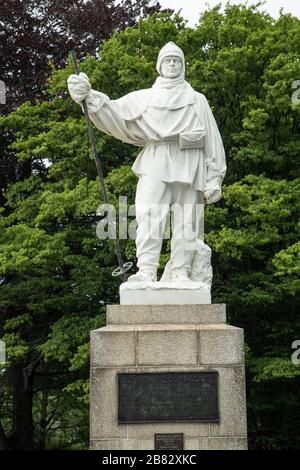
(145, 275)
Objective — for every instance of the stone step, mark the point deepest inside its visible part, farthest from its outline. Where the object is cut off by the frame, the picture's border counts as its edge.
(165, 314)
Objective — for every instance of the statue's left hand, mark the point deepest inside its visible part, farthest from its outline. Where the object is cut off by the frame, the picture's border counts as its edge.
(212, 194)
(212, 189)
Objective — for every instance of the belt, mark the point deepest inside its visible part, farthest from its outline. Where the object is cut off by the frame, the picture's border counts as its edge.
(162, 142)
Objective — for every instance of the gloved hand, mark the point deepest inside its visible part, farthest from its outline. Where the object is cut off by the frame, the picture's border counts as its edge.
(212, 195)
(212, 190)
(79, 86)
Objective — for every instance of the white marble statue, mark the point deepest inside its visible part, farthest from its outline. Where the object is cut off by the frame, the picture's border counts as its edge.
(182, 160)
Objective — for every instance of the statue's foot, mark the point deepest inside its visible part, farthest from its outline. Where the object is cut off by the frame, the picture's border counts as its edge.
(146, 275)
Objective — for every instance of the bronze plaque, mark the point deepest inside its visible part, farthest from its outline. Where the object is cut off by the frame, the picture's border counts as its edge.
(168, 397)
(168, 441)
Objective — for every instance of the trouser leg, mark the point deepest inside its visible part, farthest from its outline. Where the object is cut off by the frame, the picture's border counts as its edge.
(153, 198)
(185, 226)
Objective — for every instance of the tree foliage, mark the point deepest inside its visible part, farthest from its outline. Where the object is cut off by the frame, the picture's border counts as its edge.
(36, 32)
(36, 35)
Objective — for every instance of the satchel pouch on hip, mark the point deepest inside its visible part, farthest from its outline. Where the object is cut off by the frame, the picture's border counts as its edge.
(193, 139)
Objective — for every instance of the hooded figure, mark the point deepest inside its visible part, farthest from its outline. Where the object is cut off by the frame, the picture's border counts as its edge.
(182, 157)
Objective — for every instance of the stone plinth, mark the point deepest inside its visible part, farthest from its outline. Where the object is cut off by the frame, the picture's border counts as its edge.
(165, 293)
(167, 338)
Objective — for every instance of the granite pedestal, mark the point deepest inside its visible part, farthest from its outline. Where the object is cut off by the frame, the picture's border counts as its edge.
(167, 339)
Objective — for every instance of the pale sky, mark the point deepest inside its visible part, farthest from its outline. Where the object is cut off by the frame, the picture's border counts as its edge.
(191, 9)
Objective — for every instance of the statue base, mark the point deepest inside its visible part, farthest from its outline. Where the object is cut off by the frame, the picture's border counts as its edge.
(167, 377)
(165, 293)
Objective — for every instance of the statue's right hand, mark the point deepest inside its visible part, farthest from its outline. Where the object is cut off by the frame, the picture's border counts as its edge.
(79, 86)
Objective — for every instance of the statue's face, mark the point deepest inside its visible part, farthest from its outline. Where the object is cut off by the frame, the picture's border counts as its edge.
(171, 67)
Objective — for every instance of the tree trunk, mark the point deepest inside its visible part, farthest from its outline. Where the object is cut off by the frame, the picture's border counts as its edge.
(5, 441)
(22, 435)
(43, 421)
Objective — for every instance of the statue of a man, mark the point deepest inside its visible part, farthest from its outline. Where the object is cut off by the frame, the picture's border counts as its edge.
(182, 159)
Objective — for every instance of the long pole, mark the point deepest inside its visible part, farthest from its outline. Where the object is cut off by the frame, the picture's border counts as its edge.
(100, 174)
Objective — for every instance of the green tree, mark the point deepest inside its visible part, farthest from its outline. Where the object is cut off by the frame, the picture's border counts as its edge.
(56, 273)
